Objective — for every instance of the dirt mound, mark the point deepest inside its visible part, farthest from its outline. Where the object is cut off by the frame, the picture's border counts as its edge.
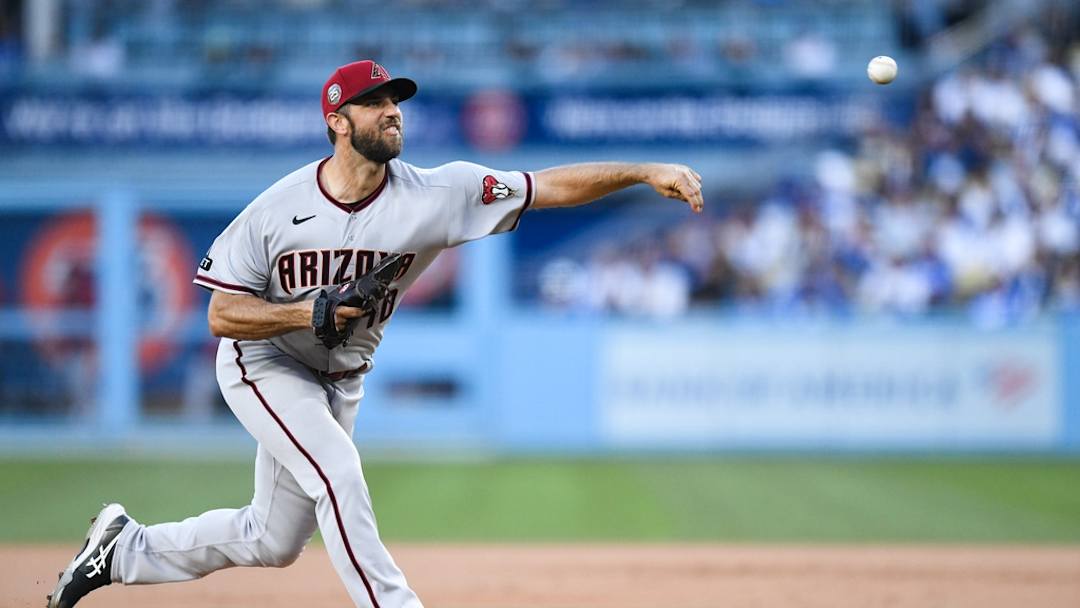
(615, 576)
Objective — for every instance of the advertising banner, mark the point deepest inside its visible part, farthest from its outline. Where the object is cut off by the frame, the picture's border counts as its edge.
(904, 388)
(182, 120)
(487, 120)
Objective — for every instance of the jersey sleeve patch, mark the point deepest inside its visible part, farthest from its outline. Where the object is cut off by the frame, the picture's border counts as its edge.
(494, 190)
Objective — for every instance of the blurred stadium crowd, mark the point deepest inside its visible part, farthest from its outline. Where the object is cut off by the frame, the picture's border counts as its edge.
(976, 208)
(179, 44)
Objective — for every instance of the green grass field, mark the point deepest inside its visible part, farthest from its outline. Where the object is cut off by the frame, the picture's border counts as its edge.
(733, 499)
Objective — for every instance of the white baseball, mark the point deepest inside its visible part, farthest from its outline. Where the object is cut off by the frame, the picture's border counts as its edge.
(882, 69)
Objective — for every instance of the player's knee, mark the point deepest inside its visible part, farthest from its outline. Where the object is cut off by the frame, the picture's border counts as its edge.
(281, 545)
(280, 555)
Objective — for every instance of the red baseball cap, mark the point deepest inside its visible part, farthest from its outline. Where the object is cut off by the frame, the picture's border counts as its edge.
(360, 78)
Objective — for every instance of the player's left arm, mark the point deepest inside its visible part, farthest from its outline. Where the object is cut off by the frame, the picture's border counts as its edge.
(572, 185)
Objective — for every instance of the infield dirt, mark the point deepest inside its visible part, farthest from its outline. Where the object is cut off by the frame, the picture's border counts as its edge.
(615, 576)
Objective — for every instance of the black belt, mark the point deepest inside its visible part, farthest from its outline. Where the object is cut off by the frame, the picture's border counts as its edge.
(335, 376)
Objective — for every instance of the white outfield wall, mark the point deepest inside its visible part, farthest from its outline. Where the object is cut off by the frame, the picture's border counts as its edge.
(855, 387)
(720, 383)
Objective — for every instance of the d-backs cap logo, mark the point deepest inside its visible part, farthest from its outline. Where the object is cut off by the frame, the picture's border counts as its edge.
(377, 72)
(494, 190)
(334, 94)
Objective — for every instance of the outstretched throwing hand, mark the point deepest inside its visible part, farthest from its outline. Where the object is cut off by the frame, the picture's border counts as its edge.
(678, 182)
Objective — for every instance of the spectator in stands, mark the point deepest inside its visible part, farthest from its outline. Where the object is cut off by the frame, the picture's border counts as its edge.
(976, 208)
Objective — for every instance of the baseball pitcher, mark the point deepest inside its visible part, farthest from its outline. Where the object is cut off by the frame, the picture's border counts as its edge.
(303, 282)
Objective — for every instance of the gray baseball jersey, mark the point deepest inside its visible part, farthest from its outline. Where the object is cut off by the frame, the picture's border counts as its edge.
(295, 239)
(287, 244)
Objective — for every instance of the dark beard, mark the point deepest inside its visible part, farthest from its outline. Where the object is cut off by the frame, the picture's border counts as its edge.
(372, 146)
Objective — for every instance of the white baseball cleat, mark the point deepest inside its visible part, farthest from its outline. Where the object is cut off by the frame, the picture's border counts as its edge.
(92, 567)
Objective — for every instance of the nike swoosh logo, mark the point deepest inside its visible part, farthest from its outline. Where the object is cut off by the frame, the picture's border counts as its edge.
(297, 221)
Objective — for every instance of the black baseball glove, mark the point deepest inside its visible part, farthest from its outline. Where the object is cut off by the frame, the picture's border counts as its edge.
(364, 292)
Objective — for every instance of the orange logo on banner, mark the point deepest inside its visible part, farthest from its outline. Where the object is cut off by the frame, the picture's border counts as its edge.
(60, 272)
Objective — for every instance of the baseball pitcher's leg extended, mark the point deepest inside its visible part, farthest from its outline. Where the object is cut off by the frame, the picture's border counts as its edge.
(271, 531)
(306, 424)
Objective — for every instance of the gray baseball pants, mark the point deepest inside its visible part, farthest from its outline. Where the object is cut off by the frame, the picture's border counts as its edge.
(307, 474)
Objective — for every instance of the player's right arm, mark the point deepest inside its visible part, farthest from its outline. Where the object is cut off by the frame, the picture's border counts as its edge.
(245, 317)
(235, 270)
